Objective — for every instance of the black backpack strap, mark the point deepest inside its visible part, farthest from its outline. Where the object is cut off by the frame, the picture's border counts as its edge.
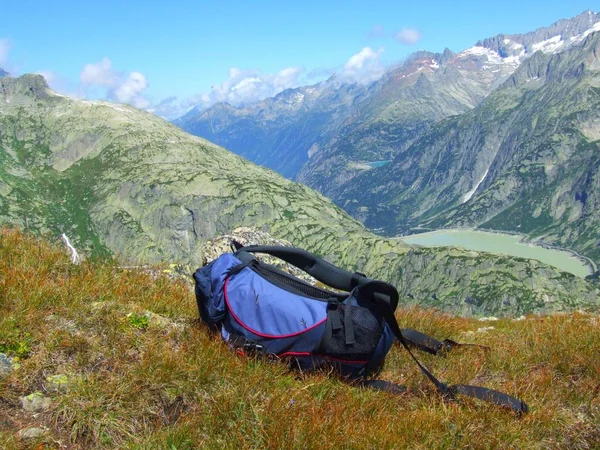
(318, 268)
(430, 344)
(423, 341)
(383, 296)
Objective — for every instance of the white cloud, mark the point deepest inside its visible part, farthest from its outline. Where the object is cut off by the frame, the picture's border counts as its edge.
(116, 85)
(247, 86)
(99, 74)
(408, 36)
(130, 91)
(364, 67)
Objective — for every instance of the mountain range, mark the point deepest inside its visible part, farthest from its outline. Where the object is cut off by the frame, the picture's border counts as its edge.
(126, 184)
(503, 135)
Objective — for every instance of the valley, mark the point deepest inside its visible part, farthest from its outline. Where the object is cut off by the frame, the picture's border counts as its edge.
(504, 135)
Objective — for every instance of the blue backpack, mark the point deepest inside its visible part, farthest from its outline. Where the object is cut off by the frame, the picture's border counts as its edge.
(259, 308)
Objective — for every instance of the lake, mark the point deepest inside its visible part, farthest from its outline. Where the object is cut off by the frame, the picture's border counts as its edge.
(500, 243)
(379, 163)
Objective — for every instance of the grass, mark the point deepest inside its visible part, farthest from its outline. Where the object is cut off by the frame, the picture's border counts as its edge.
(170, 384)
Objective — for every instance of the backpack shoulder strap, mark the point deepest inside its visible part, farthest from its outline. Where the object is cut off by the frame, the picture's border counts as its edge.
(430, 344)
(424, 342)
(381, 293)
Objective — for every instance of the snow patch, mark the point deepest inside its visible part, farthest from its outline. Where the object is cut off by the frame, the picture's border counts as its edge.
(100, 103)
(518, 52)
(312, 150)
(492, 57)
(586, 33)
(469, 194)
(409, 74)
(115, 107)
(551, 45)
(513, 45)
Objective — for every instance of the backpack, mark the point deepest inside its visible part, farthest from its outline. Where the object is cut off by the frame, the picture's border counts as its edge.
(259, 308)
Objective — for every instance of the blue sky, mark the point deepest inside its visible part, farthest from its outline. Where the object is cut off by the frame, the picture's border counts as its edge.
(145, 52)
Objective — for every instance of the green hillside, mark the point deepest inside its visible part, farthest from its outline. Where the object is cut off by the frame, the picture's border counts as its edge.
(124, 183)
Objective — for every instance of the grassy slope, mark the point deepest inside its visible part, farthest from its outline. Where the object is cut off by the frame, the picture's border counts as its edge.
(180, 388)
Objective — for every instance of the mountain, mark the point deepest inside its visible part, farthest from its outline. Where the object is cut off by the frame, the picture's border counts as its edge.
(426, 89)
(408, 100)
(280, 132)
(122, 182)
(126, 182)
(325, 143)
(527, 159)
(3, 73)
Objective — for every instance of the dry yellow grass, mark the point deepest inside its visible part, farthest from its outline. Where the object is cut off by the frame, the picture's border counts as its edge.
(139, 384)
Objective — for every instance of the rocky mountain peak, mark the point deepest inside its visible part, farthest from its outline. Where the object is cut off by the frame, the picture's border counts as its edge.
(569, 64)
(3, 73)
(29, 86)
(447, 55)
(512, 49)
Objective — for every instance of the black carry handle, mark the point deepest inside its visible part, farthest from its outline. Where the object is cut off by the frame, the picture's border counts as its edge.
(318, 268)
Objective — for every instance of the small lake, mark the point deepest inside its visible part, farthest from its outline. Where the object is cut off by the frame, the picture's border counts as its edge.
(500, 243)
(378, 163)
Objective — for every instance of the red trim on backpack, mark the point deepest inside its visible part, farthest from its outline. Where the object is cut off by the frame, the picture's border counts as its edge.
(295, 354)
(282, 336)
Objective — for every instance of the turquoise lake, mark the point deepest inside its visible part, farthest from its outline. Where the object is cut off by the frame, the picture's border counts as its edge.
(378, 163)
(502, 244)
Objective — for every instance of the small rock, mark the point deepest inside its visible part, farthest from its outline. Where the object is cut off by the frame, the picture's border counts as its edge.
(59, 382)
(99, 306)
(157, 320)
(485, 329)
(518, 319)
(36, 402)
(31, 433)
(62, 324)
(6, 364)
(488, 319)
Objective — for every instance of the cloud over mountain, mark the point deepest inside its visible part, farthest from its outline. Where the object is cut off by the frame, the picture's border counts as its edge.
(120, 87)
(363, 67)
(246, 86)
